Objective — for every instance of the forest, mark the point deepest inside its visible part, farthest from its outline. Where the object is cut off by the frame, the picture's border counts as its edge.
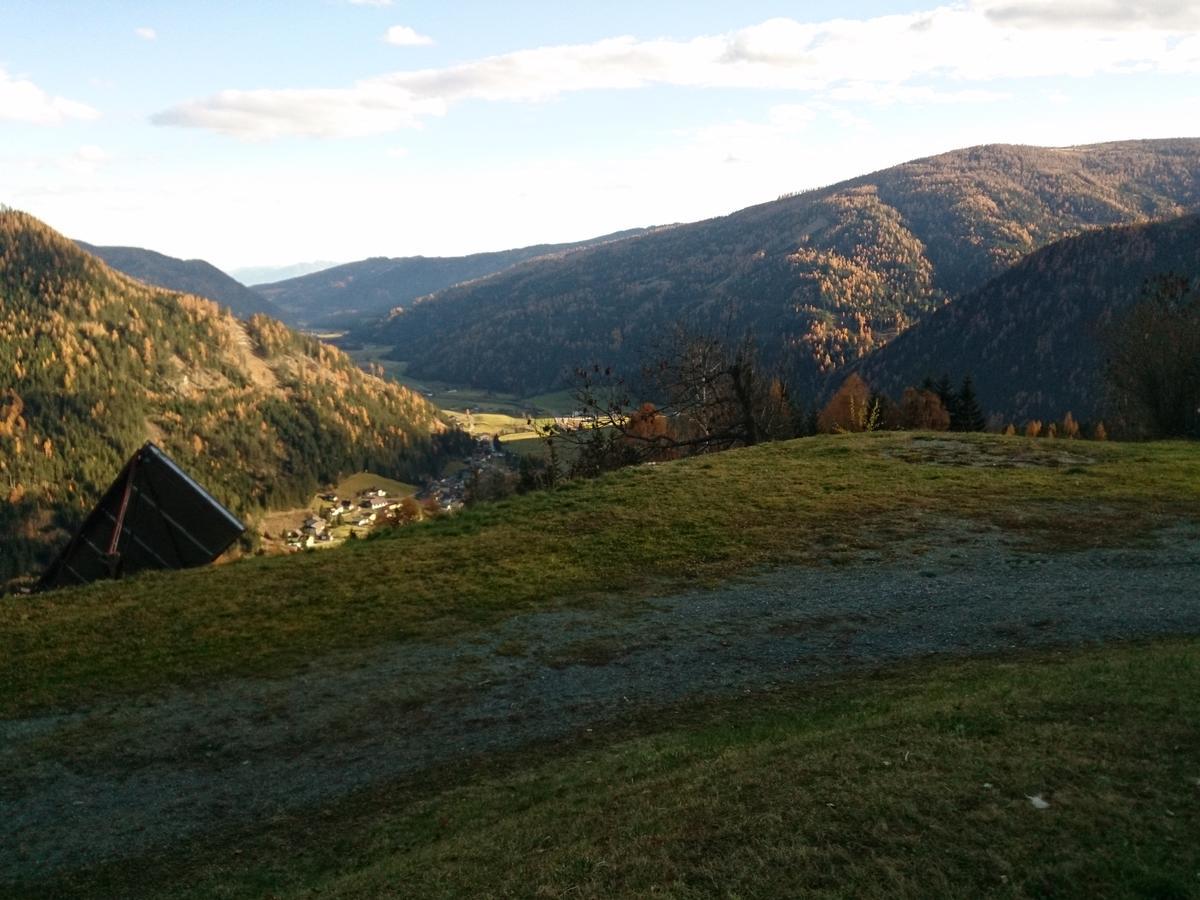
(93, 363)
(824, 277)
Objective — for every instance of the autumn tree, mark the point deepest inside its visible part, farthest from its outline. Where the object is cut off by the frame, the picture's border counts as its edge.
(850, 409)
(922, 410)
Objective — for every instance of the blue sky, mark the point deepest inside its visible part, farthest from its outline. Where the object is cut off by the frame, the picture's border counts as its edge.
(270, 133)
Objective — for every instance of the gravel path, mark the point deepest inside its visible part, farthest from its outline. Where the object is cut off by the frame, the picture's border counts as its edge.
(117, 781)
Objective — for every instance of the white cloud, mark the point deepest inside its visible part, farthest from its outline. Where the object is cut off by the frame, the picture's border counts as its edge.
(23, 101)
(403, 36)
(875, 57)
(146, 34)
(1168, 15)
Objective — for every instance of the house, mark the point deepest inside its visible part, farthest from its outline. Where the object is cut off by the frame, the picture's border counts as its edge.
(314, 525)
(373, 503)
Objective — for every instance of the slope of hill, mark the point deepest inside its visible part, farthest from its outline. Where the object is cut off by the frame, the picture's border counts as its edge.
(345, 295)
(822, 277)
(92, 363)
(624, 700)
(1029, 336)
(187, 276)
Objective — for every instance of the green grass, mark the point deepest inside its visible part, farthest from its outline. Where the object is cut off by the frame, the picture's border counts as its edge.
(815, 501)
(458, 397)
(910, 783)
(353, 485)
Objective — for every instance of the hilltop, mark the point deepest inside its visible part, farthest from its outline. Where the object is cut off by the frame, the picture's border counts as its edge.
(345, 295)
(822, 278)
(744, 669)
(1029, 337)
(93, 363)
(187, 276)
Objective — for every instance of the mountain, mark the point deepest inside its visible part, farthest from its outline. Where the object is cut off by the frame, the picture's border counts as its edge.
(190, 276)
(368, 289)
(822, 278)
(256, 275)
(1028, 337)
(93, 363)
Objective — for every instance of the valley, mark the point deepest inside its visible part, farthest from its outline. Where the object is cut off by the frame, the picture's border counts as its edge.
(844, 545)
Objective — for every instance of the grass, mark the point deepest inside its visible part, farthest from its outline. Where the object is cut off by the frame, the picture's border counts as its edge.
(355, 484)
(909, 783)
(812, 502)
(458, 397)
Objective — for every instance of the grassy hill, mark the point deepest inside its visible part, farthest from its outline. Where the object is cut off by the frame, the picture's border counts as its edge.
(815, 501)
(1029, 337)
(93, 363)
(344, 295)
(913, 781)
(187, 276)
(822, 277)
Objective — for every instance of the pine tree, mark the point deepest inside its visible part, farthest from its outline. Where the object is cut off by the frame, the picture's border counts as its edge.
(967, 415)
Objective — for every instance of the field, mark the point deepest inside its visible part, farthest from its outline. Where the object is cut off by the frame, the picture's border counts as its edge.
(484, 710)
(915, 783)
(458, 398)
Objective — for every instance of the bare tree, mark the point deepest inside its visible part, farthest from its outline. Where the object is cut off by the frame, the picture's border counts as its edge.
(696, 394)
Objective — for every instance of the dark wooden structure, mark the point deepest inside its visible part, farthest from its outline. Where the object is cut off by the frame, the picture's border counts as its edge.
(154, 516)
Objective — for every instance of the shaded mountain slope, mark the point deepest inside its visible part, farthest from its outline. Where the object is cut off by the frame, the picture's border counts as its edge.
(822, 277)
(1029, 337)
(188, 276)
(347, 294)
(93, 363)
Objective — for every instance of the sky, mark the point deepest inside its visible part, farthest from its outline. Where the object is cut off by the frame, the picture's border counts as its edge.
(269, 133)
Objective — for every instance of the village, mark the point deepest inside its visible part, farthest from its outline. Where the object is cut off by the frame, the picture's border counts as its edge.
(365, 503)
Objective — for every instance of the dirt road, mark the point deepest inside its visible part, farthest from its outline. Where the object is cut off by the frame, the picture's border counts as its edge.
(121, 780)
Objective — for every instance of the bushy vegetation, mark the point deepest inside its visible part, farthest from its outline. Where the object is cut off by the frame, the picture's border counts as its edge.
(93, 363)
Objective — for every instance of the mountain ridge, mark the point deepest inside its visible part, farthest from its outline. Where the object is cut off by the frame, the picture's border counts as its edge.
(823, 277)
(369, 288)
(187, 276)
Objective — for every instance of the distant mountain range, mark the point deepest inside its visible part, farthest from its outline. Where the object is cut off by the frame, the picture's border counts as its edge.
(346, 295)
(1029, 336)
(93, 363)
(190, 276)
(256, 275)
(822, 278)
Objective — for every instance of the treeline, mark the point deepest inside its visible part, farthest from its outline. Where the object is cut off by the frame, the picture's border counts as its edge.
(92, 364)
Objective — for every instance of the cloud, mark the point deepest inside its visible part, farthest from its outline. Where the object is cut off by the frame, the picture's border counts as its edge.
(1167, 15)
(403, 36)
(370, 2)
(146, 34)
(23, 101)
(876, 57)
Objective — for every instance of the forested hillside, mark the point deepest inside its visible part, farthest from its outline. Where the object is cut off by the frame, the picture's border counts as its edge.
(822, 278)
(346, 295)
(188, 276)
(1029, 337)
(93, 363)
